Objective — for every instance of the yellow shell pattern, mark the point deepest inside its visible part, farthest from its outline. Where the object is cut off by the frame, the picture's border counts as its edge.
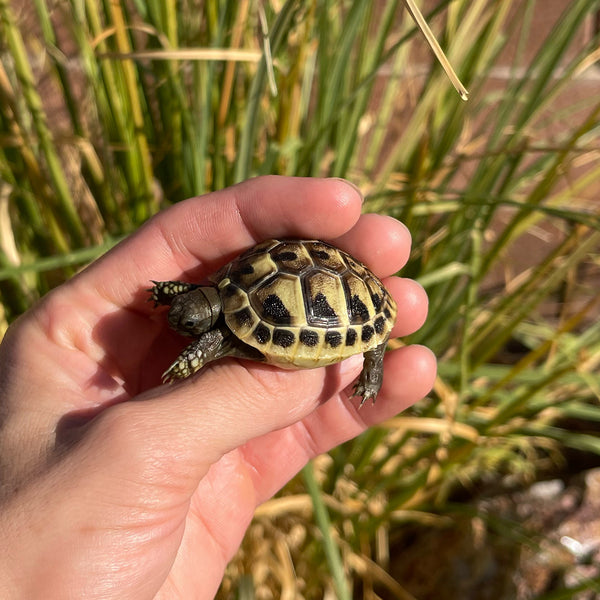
(304, 303)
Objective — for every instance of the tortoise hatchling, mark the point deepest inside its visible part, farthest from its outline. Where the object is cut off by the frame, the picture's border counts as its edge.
(291, 303)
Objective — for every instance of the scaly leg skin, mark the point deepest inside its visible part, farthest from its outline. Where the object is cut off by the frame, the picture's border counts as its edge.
(163, 292)
(371, 377)
(212, 345)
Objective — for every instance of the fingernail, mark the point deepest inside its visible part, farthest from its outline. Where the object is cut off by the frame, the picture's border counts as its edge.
(353, 186)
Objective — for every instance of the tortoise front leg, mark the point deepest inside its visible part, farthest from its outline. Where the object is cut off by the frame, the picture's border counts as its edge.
(212, 345)
(163, 292)
(371, 377)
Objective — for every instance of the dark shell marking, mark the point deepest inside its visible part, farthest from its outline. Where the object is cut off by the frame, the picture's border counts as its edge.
(309, 338)
(304, 303)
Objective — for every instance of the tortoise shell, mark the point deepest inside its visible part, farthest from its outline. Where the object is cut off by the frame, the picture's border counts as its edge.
(304, 303)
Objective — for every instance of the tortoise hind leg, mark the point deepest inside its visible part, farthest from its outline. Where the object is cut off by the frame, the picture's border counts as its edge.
(212, 345)
(371, 377)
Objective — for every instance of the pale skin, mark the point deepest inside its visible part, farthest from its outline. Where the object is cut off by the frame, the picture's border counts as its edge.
(113, 486)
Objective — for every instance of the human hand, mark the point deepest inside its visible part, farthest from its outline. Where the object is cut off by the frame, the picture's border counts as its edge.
(112, 487)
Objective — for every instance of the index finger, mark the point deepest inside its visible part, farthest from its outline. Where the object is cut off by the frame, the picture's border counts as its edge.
(196, 235)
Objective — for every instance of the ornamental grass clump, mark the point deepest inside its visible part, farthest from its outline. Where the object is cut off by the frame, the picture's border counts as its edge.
(112, 110)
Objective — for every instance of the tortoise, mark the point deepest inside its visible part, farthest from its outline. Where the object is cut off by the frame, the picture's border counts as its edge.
(291, 303)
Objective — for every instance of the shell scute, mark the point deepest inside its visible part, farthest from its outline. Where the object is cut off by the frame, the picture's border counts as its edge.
(255, 268)
(309, 337)
(284, 338)
(234, 298)
(360, 303)
(278, 301)
(261, 333)
(291, 257)
(326, 257)
(333, 338)
(351, 337)
(325, 301)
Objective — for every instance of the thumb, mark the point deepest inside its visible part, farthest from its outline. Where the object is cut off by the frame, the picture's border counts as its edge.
(180, 430)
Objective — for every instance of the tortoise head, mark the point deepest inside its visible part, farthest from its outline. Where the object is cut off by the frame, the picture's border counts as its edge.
(195, 312)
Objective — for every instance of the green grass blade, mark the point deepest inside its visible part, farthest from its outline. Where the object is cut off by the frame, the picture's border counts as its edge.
(330, 547)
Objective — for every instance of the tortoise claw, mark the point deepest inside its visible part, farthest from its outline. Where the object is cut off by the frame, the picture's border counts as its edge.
(360, 389)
